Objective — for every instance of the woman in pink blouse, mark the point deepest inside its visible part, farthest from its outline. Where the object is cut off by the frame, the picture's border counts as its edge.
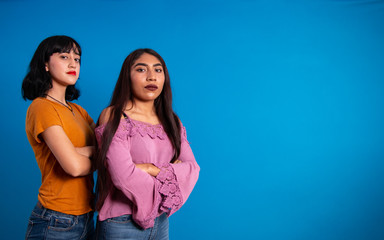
(146, 168)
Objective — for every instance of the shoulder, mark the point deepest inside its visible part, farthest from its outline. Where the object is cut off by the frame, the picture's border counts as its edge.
(40, 102)
(105, 115)
(41, 114)
(183, 131)
(78, 107)
(179, 121)
(123, 129)
(40, 105)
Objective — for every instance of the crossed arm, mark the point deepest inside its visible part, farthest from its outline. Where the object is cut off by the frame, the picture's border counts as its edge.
(75, 161)
(146, 167)
(150, 168)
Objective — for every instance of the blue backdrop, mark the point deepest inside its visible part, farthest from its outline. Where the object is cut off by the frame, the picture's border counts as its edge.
(283, 103)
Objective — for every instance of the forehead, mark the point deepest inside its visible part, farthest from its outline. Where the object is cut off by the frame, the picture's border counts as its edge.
(147, 59)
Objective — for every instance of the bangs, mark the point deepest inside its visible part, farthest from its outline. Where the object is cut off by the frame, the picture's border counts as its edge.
(64, 44)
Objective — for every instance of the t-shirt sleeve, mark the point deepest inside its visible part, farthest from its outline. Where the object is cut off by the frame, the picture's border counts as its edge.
(40, 116)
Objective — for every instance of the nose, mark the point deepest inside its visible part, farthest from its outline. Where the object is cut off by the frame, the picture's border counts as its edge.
(151, 75)
(72, 61)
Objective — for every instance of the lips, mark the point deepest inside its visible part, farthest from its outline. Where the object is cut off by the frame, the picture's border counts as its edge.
(72, 73)
(151, 87)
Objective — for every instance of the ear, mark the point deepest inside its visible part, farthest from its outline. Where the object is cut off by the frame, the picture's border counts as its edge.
(46, 67)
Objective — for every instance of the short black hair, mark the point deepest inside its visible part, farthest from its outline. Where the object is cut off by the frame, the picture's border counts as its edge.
(38, 81)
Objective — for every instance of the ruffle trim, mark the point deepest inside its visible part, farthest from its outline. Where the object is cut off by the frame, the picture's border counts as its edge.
(170, 192)
(169, 200)
(134, 127)
(144, 129)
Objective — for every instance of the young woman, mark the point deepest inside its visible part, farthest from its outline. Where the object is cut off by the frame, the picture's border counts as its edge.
(62, 138)
(146, 168)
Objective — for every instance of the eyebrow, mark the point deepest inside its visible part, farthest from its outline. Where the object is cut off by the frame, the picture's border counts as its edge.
(146, 65)
(76, 53)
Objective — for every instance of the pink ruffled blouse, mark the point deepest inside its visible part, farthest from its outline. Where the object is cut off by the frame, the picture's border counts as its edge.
(134, 191)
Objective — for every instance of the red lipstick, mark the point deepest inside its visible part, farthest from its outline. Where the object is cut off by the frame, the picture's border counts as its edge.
(151, 87)
(72, 73)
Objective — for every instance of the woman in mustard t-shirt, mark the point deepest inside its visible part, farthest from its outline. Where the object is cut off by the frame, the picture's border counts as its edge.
(61, 134)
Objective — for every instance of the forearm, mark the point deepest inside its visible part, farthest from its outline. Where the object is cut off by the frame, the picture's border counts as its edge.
(73, 162)
(86, 151)
(83, 166)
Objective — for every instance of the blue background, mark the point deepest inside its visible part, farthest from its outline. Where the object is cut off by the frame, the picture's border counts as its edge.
(283, 103)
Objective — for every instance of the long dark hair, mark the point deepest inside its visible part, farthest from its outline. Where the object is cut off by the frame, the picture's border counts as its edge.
(38, 81)
(123, 94)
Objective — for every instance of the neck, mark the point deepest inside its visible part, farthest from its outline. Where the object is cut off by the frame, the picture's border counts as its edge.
(143, 111)
(144, 108)
(58, 94)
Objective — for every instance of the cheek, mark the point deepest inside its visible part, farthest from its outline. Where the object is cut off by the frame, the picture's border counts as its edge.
(161, 86)
(161, 79)
(162, 83)
(54, 67)
(135, 87)
(135, 82)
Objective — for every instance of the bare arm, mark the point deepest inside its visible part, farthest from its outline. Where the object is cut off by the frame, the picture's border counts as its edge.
(104, 115)
(74, 163)
(86, 151)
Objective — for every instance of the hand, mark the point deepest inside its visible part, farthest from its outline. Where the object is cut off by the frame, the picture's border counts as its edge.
(148, 168)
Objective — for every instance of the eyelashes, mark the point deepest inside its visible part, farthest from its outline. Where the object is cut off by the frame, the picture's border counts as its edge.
(65, 57)
(158, 70)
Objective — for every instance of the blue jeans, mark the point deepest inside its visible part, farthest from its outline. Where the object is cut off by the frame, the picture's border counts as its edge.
(48, 224)
(124, 227)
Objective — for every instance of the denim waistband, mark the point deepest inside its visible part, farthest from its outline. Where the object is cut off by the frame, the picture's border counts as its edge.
(42, 211)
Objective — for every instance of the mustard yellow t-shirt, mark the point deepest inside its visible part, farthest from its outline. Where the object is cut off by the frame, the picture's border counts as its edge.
(59, 191)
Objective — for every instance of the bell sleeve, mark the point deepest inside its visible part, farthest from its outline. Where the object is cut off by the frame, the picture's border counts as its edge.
(178, 180)
(138, 186)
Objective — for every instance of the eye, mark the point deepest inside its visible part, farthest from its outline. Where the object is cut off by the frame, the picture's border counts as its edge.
(64, 57)
(159, 70)
(77, 60)
(140, 69)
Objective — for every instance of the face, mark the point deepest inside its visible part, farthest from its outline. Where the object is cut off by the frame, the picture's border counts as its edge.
(64, 68)
(147, 76)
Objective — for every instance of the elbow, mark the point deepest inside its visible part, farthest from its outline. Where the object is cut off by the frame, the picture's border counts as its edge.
(197, 172)
(76, 174)
(78, 171)
(197, 168)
